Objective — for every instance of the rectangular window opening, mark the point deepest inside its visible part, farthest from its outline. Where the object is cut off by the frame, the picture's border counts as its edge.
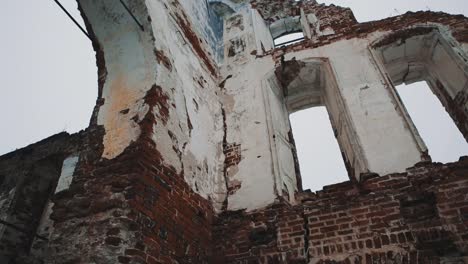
(319, 155)
(443, 139)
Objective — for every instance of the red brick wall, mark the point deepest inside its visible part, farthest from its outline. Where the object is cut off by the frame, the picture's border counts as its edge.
(137, 209)
(344, 26)
(416, 217)
(175, 221)
(132, 209)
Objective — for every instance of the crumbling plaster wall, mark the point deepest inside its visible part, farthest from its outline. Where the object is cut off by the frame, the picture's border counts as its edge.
(184, 131)
(388, 146)
(368, 94)
(207, 24)
(242, 134)
(174, 59)
(263, 37)
(367, 100)
(147, 191)
(429, 54)
(253, 180)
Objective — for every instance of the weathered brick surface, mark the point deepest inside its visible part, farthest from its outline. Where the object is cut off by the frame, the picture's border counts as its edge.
(345, 28)
(136, 208)
(26, 177)
(414, 217)
(133, 209)
(277, 9)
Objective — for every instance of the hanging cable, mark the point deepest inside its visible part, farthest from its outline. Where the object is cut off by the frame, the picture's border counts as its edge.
(131, 14)
(70, 16)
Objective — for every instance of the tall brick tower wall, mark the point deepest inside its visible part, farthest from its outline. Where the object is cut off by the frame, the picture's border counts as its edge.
(189, 155)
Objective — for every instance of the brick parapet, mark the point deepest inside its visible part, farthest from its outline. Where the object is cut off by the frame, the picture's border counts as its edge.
(415, 217)
(344, 27)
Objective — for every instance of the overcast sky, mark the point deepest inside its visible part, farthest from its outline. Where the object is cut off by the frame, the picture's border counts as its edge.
(49, 78)
(47, 71)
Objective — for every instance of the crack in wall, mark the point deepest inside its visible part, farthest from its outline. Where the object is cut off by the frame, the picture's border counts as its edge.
(225, 174)
(406, 74)
(189, 122)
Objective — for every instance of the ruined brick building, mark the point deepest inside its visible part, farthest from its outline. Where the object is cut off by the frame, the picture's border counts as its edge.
(189, 155)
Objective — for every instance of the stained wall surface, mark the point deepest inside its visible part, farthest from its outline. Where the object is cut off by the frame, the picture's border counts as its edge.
(190, 158)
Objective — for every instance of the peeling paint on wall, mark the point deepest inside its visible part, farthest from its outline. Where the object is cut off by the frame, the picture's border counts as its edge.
(189, 156)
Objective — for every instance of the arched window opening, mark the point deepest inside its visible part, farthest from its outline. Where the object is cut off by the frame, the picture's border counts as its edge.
(442, 137)
(427, 59)
(320, 159)
(314, 141)
(287, 31)
(289, 39)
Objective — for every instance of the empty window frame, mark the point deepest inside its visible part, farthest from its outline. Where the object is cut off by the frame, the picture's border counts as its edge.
(287, 31)
(320, 159)
(289, 39)
(425, 55)
(443, 139)
(316, 97)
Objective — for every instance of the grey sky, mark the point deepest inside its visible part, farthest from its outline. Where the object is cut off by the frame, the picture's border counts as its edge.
(47, 71)
(49, 77)
(442, 137)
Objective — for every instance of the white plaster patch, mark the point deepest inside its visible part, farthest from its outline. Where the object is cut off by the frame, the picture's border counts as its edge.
(66, 176)
(465, 49)
(312, 18)
(192, 139)
(121, 130)
(192, 136)
(328, 31)
(130, 65)
(247, 126)
(388, 146)
(263, 36)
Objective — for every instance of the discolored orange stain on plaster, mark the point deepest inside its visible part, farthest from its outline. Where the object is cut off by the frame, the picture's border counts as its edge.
(121, 130)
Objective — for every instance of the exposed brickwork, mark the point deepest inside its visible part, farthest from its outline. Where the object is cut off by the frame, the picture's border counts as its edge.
(233, 154)
(273, 235)
(146, 212)
(136, 208)
(277, 9)
(347, 28)
(415, 217)
(176, 221)
(330, 16)
(26, 177)
(192, 37)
